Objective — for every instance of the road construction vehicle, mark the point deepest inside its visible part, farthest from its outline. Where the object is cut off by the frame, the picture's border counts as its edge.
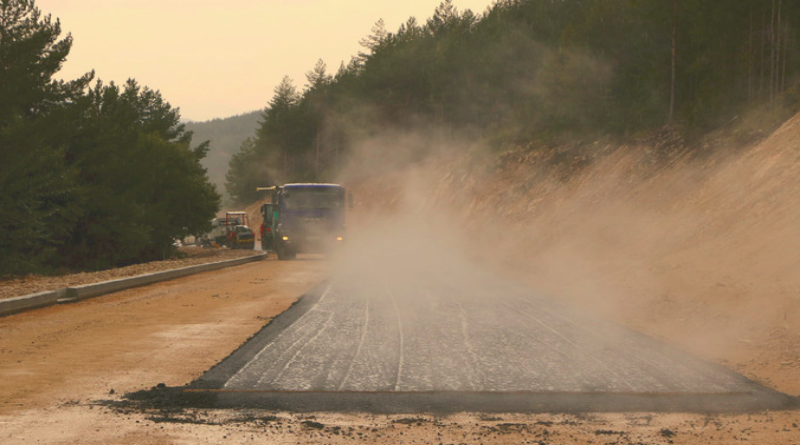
(304, 218)
(232, 231)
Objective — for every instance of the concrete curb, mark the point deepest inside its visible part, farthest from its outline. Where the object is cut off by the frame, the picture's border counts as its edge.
(71, 294)
(33, 301)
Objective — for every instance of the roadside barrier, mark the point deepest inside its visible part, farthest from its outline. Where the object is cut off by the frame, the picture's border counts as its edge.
(77, 293)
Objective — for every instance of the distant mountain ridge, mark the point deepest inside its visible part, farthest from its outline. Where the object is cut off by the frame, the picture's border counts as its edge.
(226, 136)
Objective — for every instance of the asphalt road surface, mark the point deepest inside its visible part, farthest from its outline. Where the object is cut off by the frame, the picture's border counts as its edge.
(463, 340)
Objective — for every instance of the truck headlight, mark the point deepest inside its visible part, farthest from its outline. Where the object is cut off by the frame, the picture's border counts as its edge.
(286, 238)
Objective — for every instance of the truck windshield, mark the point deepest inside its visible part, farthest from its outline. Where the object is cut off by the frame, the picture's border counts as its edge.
(312, 198)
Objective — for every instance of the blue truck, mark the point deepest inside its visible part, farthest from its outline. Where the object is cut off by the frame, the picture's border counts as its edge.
(304, 218)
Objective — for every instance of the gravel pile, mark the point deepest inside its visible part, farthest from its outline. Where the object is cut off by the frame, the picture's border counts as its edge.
(31, 284)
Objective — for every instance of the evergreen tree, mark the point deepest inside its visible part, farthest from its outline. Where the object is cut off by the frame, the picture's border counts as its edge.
(314, 106)
(285, 135)
(31, 54)
(318, 78)
(246, 172)
(38, 200)
(142, 183)
(540, 70)
(374, 41)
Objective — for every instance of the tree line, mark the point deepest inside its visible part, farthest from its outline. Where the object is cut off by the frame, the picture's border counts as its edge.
(93, 175)
(531, 70)
(225, 136)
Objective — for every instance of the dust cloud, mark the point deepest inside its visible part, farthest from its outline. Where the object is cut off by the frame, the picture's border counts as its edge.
(701, 253)
(396, 230)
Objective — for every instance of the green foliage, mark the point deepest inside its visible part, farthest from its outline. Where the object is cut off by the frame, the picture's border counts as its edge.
(31, 53)
(90, 179)
(38, 196)
(245, 174)
(37, 203)
(527, 70)
(141, 181)
(285, 136)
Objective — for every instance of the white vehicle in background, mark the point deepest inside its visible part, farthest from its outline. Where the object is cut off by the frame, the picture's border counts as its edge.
(232, 231)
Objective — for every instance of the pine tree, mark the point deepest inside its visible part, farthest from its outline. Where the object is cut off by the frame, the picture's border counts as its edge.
(38, 202)
(31, 54)
(141, 180)
(246, 171)
(280, 137)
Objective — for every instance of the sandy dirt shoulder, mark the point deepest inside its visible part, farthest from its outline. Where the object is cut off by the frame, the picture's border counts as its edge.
(62, 357)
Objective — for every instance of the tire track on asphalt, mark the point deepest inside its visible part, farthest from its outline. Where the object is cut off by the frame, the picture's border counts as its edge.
(257, 357)
(576, 347)
(364, 328)
(657, 375)
(470, 348)
(297, 353)
(400, 334)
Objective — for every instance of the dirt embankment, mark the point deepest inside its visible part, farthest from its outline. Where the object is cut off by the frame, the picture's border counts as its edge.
(701, 253)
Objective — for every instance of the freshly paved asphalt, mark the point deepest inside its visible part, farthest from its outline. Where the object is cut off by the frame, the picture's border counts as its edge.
(461, 340)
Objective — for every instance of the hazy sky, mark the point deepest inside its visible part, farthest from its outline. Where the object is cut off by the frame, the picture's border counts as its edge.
(218, 59)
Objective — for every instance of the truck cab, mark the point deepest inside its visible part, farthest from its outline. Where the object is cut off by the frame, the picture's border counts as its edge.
(304, 218)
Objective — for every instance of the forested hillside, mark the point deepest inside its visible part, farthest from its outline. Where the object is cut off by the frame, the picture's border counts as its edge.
(534, 73)
(96, 175)
(93, 175)
(225, 137)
